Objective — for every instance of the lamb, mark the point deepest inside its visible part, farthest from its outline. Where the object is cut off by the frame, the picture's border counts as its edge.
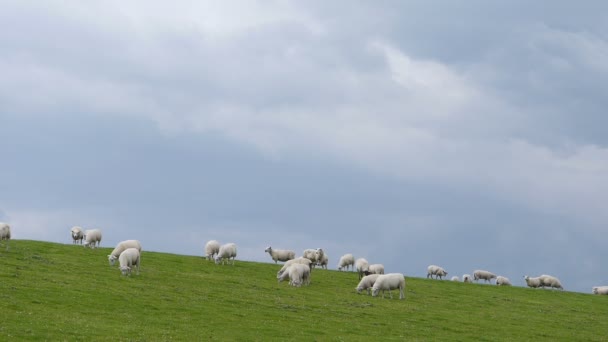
(345, 261)
(367, 283)
(280, 254)
(121, 247)
(92, 237)
(298, 274)
(5, 233)
(551, 281)
(485, 275)
(533, 281)
(466, 278)
(128, 259)
(374, 269)
(500, 280)
(227, 251)
(361, 265)
(455, 278)
(600, 290)
(212, 247)
(389, 282)
(77, 235)
(300, 260)
(324, 261)
(434, 270)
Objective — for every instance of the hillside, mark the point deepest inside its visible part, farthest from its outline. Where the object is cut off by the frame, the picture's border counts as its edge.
(53, 291)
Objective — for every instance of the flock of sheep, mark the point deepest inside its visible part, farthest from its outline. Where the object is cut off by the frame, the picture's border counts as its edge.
(298, 269)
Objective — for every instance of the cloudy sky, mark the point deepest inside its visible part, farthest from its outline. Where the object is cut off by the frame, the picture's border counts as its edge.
(469, 135)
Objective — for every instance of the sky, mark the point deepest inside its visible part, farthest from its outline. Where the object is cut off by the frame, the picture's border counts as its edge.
(470, 135)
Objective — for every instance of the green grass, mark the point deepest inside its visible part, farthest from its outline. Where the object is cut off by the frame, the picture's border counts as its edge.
(58, 292)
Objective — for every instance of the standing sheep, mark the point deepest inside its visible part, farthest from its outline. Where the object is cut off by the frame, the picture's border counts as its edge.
(367, 283)
(485, 275)
(600, 290)
(533, 281)
(500, 280)
(280, 254)
(314, 255)
(466, 278)
(551, 281)
(324, 261)
(345, 261)
(375, 269)
(299, 260)
(121, 247)
(5, 233)
(298, 274)
(92, 237)
(212, 247)
(434, 270)
(361, 265)
(227, 252)
(128, 259)
(77, 235)
(388, 282)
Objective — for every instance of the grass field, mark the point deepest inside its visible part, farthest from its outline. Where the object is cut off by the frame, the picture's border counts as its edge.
(56, 292)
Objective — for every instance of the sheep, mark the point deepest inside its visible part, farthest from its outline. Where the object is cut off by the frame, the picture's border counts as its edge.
(128, 259)
(299, 260)
(533, 281)
(345, 261)
(361, 265)
(389, 282)
(374, 269)
(298, 274)
(227, 251)
(485, 275)
(551, 281)
(77, 235)
(324, 261)
(280, 254)
(600, 290)
(5, 233)
(212, 247)
(92, 237)
(455, 278)
(466, 278)
(367, 283)
(434, 270)
(122, 246)
(500, 280)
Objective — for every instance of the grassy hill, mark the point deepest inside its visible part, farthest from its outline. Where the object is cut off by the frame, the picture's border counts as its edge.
(52, 291)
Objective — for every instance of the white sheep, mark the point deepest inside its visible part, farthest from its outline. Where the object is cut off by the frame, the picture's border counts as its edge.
(5, 233)
(367, 283)
(455, 278)
(299, 260)
(485, 275)
(226, 252)
(128, 259)
(212, 247)
(388, 282)
(434, 270)
(345, 261)
(600, 290)
(313, 255)
(92, 237)
(550, 281)
(533, 281)
(121, 247)
(77, 235)
(280, 254)
(500, 280)
(466, 278)
(362, 266)
(298, 275)
(375, 269)
(324, 261)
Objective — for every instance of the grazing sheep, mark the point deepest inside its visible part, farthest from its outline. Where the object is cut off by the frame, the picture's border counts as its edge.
(77, 235)
(128, 259)
(121, 247)
(226, 252)
(388, 282)
(485, 275)
(466, 278)
(280, 254)
(361, 265)
(5, 233)
(500, 280)
(434, 270)
(533, 281)
(212, 247)
(455, 278)
(92, 237)
(345, 261)
(600, 290)
(374, 269)
(298, 274)
(551, 281)
(299, 260)
(367, 283)
(324, 261)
